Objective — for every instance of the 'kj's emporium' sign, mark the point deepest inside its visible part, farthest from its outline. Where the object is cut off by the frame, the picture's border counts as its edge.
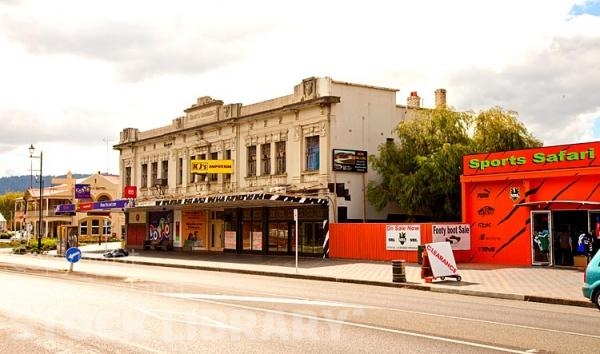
(534, 159)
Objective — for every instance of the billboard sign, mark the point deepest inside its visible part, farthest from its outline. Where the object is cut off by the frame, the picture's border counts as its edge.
(349, 160)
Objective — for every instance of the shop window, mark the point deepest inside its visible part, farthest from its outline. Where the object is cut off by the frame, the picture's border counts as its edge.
(312, 153)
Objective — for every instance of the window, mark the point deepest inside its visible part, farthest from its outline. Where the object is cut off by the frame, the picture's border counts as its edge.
(179, 171)
(265, 159)
(83, 228)
(164, 170)
(144, 175)
(127, 181)
(95, 226)
(227, 176)
(280, 157)
(106, 227)
(201, 176)
(213, 177)
(312, 153)
(192, 175)
(252, 161)
(154, 173)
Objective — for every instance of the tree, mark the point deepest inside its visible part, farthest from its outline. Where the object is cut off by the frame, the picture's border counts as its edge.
(500, 130)
(7, 206)
(421, 171)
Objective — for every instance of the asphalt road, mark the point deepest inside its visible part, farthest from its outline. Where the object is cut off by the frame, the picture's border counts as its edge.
(166, 310)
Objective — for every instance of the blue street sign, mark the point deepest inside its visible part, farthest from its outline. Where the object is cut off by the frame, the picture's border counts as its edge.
(73, 255)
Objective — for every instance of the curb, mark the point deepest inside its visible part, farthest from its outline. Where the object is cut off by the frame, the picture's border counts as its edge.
(404, 285)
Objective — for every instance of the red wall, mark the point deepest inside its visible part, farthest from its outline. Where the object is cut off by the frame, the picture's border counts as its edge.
(367, 242)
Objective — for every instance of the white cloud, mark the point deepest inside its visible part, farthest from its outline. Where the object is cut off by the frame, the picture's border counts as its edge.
(77, 72)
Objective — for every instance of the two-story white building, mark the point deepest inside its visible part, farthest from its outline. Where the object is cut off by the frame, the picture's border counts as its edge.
(304, 154)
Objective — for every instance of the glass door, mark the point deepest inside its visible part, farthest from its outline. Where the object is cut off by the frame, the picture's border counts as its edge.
(541, 238)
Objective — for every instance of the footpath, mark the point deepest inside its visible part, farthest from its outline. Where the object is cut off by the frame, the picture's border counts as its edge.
(535, 284)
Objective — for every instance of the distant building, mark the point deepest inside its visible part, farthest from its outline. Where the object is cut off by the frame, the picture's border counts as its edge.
(230, 177)
(91, 222)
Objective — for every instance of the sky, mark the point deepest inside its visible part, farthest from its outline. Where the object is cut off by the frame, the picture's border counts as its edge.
(74, 74)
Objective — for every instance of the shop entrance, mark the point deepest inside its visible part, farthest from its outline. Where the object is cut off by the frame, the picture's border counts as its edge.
(541, 238)
(568, 225)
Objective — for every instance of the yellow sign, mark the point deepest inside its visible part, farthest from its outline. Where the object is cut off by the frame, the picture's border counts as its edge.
(211, 166)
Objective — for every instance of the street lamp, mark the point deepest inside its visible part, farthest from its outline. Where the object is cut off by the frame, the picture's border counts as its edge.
(41, 157)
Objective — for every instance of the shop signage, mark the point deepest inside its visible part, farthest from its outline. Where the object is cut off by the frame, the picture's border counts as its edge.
(350, 160)
(211, 166)
(87, 206)
(441, 259)
(235, 198)
(130, 192)
(64, 208)
(402, 237)
(83, 191)
(458, 235)
(545, 158)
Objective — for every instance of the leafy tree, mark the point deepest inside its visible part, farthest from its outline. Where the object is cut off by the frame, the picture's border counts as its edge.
(420, 172)
(500, 130)
(7, 205)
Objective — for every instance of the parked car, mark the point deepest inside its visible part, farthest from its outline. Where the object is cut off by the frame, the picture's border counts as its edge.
(116, 253)
(591, 280)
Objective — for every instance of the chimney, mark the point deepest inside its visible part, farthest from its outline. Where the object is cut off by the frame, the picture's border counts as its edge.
(440, 98)
(413, 101)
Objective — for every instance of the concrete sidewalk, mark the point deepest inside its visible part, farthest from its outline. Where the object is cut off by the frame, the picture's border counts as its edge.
(537, 284)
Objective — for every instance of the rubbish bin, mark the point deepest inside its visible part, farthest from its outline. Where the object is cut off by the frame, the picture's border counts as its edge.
(398, 271)
(420, 250)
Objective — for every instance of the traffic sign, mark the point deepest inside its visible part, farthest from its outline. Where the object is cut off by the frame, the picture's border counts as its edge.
(73, 255)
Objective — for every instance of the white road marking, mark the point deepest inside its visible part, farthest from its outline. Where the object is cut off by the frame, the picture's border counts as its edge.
(204, 321)
(195, 297)
(275, 300)
(491, 322)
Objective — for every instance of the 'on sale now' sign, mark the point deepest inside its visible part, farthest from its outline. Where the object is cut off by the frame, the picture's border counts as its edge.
(402, 237)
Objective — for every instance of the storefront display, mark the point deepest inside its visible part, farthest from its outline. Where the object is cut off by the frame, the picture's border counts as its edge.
(527, 207)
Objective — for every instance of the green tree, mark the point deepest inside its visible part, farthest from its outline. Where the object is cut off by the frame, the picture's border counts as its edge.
(420, 172)
(497, 129)
(7, 205)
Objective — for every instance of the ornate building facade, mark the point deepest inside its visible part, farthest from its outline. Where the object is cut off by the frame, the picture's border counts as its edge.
(303, 156)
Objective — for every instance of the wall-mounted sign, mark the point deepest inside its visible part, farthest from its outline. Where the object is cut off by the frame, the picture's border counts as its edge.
(83, 191)
(130, 192)
(211, 166)
(536, 159)
(458, 235)
(402, 237)
(349, 160)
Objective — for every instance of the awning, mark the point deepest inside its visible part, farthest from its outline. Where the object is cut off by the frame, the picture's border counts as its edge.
(237, 200)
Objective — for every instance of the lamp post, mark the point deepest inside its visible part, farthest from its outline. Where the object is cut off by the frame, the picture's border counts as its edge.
(41, 157)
